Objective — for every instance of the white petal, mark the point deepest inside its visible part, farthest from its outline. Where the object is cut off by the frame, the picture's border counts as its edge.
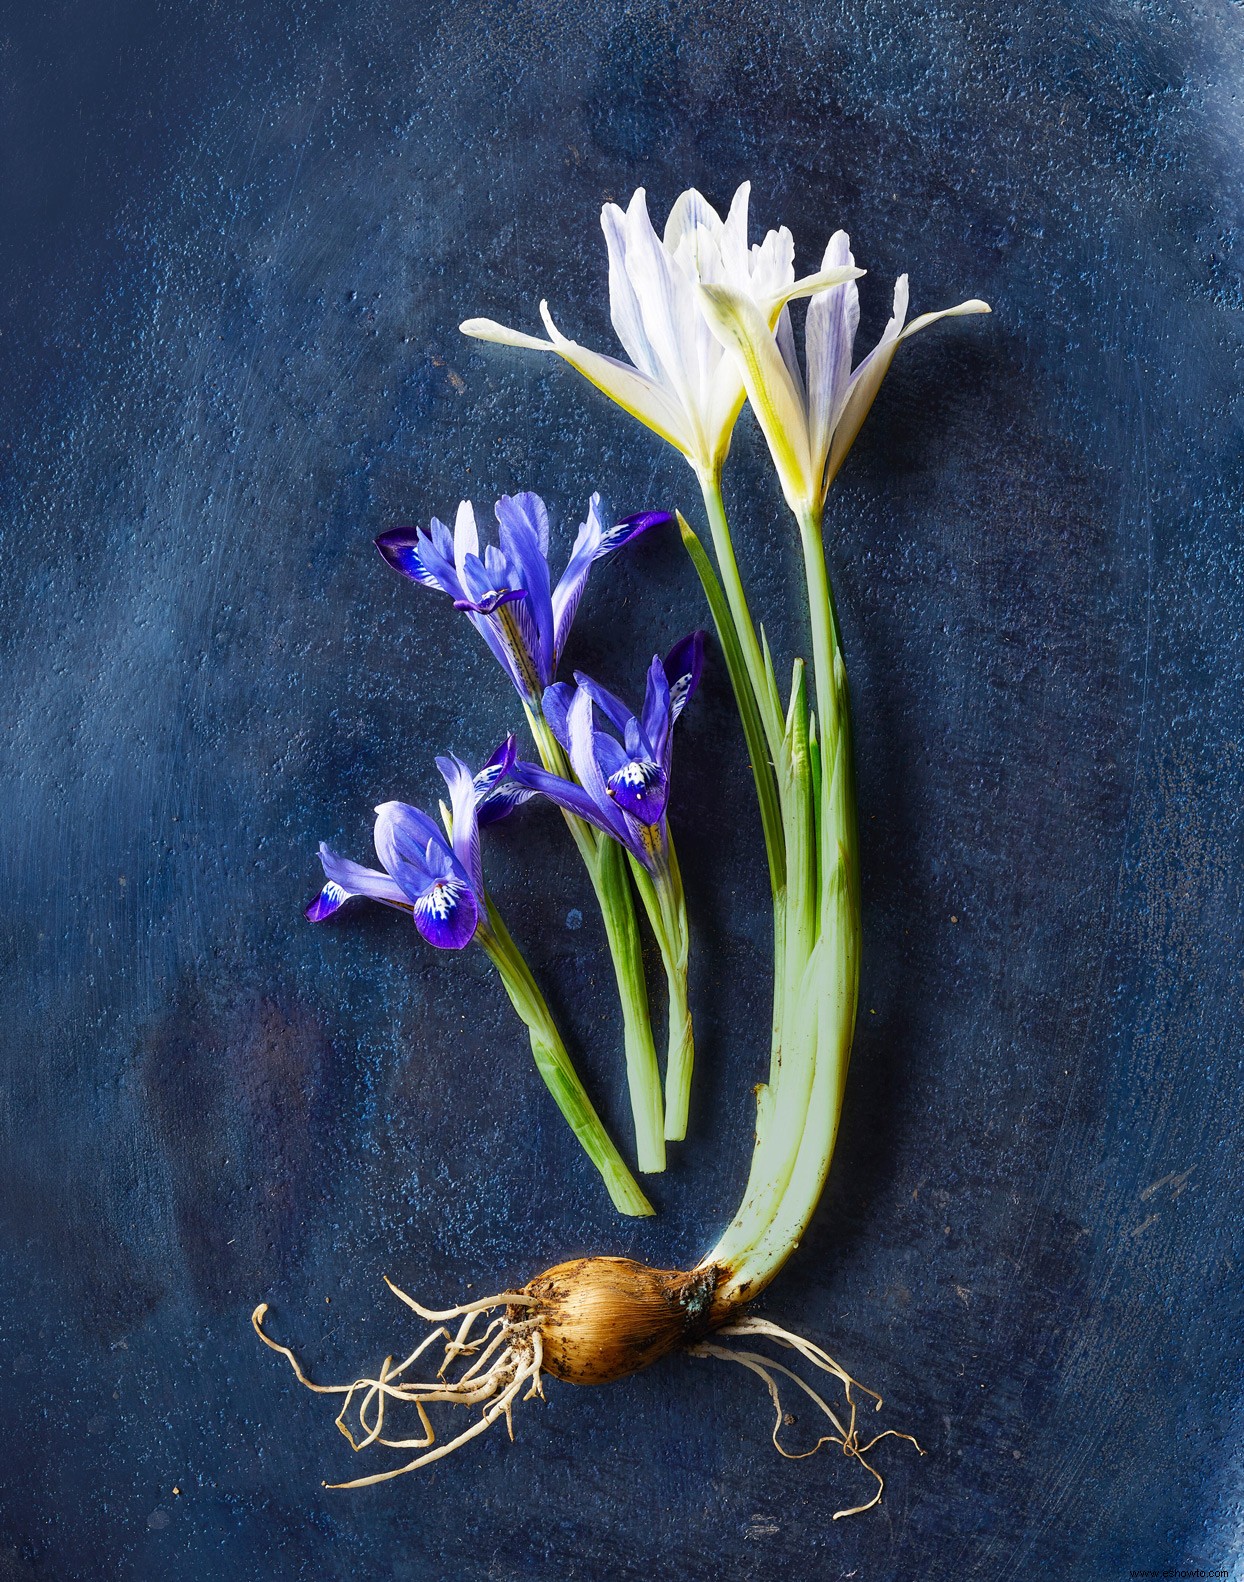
(670, 319)
(691, 211)
(829, 336)
(624, 307)
(812, 285)
(466, 539)
(490, 330)
(785, 336)
(972, 305)
(867, 378)
(734, 239)
(773, 268)
(741, 328)
(633, 391)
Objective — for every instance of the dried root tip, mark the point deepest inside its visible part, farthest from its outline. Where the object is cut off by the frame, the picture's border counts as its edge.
(846, 1435)
(507, 1360)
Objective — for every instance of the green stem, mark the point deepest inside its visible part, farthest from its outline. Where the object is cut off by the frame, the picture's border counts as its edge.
(606, 869)
(666, 907)
(556, 1067)
(643, 1077)
(749, 710)
(797, 1120)
(763, 688)
(763, 768)
(833, 705)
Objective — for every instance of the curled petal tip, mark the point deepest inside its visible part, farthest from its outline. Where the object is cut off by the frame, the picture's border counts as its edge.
(490, 330)
(491, 601)
(326, 903)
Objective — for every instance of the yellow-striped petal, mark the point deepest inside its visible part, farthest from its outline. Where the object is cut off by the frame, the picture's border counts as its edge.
(868, 377)
(741, 327)
(810, 286)
(633, 391)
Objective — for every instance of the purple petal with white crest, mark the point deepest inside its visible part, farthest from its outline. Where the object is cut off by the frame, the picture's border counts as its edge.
(630, 527)
(345, 880)
(447, 913)
(501, 803)
(641, 788)
(684, 664)
(593, 543)
(495, 769)
(573, 580)
(410, 551)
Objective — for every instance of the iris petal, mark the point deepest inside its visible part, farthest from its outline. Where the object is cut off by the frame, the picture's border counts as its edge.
(465, 824)
(446, 914)
(411, 552)
(345, 880)
(684, 665)
(631, 527)
(490, 601)
(403, 837)
(609, 704)
(555, 704)
(641, 789)
(565, 794)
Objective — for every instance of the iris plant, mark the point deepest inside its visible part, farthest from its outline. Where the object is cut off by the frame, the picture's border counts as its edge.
(704, 319)
(438, 879)
(509, 596)
(623, 791)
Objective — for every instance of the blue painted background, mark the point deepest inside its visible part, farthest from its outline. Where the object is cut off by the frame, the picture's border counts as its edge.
(236, 243)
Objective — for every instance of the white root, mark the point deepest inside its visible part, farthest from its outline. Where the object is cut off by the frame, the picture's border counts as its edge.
(846, 1435)
(506, 1365)
(507, 1358)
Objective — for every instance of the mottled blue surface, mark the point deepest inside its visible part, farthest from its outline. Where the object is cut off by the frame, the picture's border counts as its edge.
(236, 243)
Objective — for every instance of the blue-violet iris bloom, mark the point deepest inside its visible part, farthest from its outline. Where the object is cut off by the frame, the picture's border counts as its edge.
(439, 880)
(508, 593)
(624, 780)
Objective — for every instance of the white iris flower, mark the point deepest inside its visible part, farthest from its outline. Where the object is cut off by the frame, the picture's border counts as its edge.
(811, 423)
(680, 381)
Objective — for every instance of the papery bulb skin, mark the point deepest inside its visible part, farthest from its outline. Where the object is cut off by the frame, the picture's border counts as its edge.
(602, 1318)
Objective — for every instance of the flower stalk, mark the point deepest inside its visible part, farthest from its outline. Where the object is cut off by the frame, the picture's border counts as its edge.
(606, 868)
(555, 1065)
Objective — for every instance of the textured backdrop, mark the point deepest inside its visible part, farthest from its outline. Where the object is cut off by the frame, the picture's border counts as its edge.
(236, 243)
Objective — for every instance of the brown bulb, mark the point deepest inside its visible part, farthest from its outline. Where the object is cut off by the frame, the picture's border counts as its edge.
(602, 1318)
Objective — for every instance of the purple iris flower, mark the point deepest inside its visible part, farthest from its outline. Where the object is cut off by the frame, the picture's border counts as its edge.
(623, 780)
(438, 880)
(508, 593)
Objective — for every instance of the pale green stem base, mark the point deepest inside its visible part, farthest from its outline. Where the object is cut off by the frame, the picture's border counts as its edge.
(817, 930)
